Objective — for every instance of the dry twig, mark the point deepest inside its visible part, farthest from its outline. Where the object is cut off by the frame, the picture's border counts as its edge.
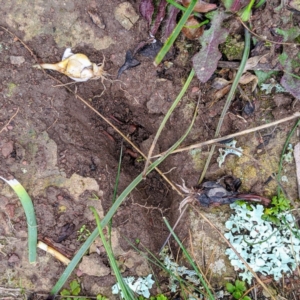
(233, 135)
(261, 37)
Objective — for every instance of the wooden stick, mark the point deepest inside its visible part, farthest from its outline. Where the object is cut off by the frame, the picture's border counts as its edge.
(218, 140)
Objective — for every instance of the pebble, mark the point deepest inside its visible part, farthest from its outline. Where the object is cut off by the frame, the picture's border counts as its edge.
(13, 259)
(7, 149)
(126, 15)
(195, 89)
(16, 60)
(10, 209)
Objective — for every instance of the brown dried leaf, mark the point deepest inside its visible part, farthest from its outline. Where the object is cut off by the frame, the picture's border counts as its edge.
(219, 83)
(201, 6)
(248, 77)
(191, 29)
(253, 61)
(222, 92)
(96, 19)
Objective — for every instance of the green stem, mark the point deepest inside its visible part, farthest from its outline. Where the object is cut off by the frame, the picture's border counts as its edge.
(229, 99)
(177, 5)
(189, 259)
(282, 155)
(127, 292)
(171, 39)
(115, 190)
(167, 116)
(30, 216)
(198, 25)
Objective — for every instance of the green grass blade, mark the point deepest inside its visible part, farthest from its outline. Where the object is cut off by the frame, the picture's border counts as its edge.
(177, 5)
(116, 189)
(155, 261)
(171, 39)
(127, 292)
(64, 277)
(229, 99)
(190, 260)
(167, 116)
(30, 216)
(279, 189)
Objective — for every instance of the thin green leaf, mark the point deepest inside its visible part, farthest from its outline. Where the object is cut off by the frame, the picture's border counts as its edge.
(230, 287)
(115, 190)
(127, 292)
(205, 62)
(279, 189)
(167, 116)
(171, 39)
(210, 295)
(229, 99)
(30, 216)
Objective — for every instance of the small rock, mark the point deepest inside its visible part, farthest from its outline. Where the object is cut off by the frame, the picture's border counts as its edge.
(16, 60)
(93, 266)
(282, 100)
(126, 15)
(7, 149)
(195, 89)
(10, 210)
(60, 198)
(13, 259)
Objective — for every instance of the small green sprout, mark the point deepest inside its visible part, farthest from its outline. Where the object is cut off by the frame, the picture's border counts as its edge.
(157, 297)
(100, 297)
(237, 290)
(74, 291)
(83, 233)
(140, 159)
(247, 11)
(279, 205)
(94, 197)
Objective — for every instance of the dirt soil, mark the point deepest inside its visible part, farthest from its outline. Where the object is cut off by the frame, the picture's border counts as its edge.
(66, 156)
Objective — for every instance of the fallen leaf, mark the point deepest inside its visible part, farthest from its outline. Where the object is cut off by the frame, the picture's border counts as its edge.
(146, 9)
(248, 77)
(130, 62)
(191, 28)
(205, 62)
(96, 19)
(219, 83)
(253, 61)
(234, 5)
(221, 93)
(290, 61)
(170, 22)
(201, 6)
(159, 17)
